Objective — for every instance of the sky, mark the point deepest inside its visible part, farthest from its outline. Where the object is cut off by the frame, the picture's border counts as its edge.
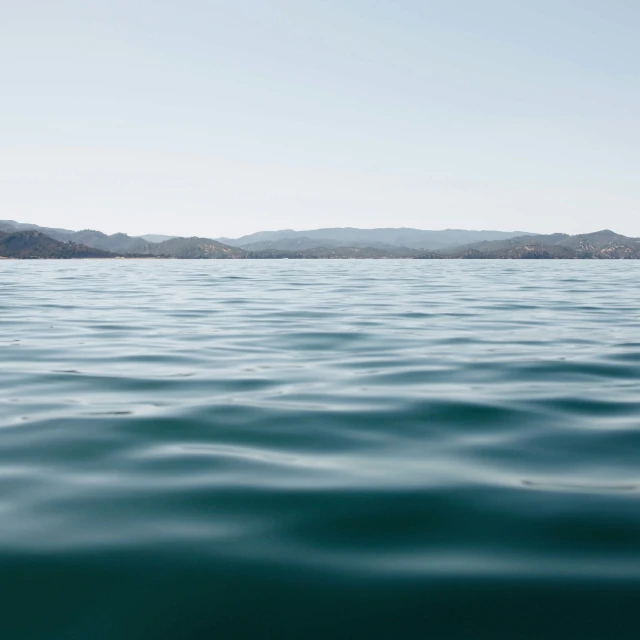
(221, 118)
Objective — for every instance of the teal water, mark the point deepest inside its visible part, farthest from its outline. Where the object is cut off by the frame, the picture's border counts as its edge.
(319, 449)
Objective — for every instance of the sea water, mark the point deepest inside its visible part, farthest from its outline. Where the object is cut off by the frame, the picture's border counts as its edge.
(319, 449)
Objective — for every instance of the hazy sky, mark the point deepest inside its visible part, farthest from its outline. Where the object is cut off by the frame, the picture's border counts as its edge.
(222, 118)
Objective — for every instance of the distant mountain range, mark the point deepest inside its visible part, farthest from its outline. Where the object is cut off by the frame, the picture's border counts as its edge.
(286, 240)
(22, 240)
(599, 245)
(116, 243)
(290, 240)
(33, 244)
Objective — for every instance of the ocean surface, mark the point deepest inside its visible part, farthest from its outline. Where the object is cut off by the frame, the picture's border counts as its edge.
(319, 449)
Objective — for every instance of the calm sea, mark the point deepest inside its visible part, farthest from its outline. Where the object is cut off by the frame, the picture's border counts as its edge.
(319, 449)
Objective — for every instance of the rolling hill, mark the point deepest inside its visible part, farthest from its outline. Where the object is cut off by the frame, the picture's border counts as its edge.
(30, 241)
(289, 239)
(30, 244)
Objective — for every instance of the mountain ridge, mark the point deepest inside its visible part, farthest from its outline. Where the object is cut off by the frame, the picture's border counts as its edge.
(29, 242)
(382, 237)
(33, 244)
(603, 244)
(283, 240)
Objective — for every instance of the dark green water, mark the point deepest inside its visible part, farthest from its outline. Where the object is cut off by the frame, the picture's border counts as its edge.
(340, 449)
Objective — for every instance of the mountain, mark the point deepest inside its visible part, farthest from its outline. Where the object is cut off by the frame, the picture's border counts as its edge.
(297, 243)
(193, 248)
(382, 238)
(34, 244)
(25, 240)
(118, 242)
(156, 237)
(600, 245)
(285, 240)
(333, 253)
(259, 236)
(11, 226)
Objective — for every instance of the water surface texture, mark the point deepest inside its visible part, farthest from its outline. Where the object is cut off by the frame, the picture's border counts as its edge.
(319, 449)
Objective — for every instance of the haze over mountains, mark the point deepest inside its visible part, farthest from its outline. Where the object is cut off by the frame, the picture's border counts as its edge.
(289, 239)
(23, 240)
(285, 240)
(603, 244)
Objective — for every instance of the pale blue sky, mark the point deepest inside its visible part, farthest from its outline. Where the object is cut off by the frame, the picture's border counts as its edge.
(223, 118)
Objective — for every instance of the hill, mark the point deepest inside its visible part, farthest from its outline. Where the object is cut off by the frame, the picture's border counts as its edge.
(31, 244)
(117, 242)
(389, 240)
(384, 238)
(193, 248)
(24, 241)
(156, 237)
(336, 253)
(600, 245)
(298, 243)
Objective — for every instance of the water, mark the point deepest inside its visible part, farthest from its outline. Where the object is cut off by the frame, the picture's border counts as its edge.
(319, 449)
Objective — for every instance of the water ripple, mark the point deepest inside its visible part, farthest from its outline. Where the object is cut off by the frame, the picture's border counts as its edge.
(233, 449)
